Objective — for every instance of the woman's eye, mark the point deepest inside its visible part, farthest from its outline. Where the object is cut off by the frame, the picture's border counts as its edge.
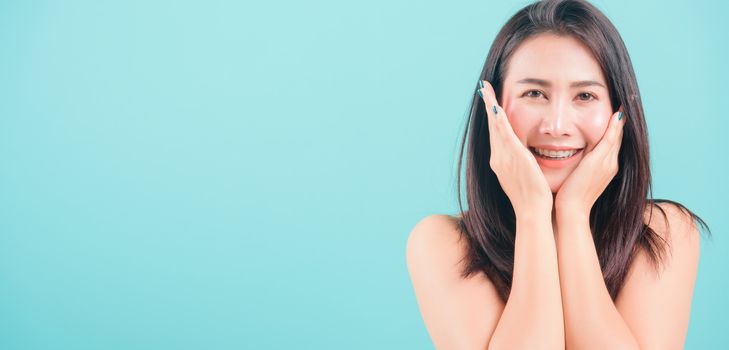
(586, 96)
(528, 93)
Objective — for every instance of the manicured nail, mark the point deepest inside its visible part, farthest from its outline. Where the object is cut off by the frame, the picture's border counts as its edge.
(620, 115)
(495, 111)
(479, 93)
(480, 83)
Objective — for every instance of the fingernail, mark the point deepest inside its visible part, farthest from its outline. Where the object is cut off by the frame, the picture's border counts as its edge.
(494, 108)
(620, 115)
(480, 83)
(479, 93)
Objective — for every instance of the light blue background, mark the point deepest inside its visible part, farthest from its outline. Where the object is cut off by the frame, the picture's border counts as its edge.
(229, 175)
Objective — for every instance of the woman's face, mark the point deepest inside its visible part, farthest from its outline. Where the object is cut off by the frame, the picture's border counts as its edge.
(549, 107)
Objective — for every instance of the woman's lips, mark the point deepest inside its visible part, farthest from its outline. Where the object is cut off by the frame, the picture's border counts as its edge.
(557, 163)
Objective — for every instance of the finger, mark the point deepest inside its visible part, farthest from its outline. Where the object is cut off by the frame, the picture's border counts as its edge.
(501, 120)
(607, 142)
(619, 127)
(493, 133)
(489, 98)
(495, 113)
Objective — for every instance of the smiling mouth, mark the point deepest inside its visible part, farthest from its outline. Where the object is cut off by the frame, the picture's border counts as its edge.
(554, 155)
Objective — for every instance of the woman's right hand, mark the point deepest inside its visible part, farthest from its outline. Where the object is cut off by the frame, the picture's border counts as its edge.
(515, 166)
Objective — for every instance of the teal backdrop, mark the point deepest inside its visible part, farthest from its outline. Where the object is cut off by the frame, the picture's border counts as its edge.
(244, 175)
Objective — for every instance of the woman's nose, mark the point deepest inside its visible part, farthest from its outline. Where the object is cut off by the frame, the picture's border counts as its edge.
(556, 122)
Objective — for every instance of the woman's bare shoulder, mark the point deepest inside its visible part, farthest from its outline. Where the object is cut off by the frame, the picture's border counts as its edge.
(437, 240)
(676, 228)
(666, 218)
(458, 312)
(436, 234)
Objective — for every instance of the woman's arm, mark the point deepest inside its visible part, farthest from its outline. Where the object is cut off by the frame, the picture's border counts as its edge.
(532, 317)
(591, 319)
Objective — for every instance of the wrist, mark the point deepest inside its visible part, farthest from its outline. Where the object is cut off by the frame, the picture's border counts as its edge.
(534, 216)
(534, 225)
(570, 205)
(571, 214)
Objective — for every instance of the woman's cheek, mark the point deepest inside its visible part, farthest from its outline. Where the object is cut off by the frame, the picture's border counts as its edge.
(594, 127)
(521, 121)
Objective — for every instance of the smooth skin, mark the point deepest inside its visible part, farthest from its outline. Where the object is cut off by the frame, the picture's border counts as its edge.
(552, 111)
(558, 298)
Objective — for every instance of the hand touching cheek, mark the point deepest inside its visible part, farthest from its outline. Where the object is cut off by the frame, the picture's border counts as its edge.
(514, 165)
(594, 172)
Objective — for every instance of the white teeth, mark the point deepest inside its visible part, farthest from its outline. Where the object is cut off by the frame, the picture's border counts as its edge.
(556, 154)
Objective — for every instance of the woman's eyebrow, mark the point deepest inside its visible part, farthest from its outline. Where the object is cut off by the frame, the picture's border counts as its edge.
(543, 82)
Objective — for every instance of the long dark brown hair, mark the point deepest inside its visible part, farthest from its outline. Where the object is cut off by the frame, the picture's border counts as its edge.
(617, 217)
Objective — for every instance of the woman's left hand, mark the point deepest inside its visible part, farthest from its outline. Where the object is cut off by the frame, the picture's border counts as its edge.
(582, 188)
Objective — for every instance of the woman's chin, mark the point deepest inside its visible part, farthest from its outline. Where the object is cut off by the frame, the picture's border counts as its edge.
(555, 184)
(556, 177)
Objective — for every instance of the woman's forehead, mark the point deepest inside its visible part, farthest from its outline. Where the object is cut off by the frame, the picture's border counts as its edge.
(560, 60)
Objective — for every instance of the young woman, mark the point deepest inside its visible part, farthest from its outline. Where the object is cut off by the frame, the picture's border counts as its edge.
(559, 246)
